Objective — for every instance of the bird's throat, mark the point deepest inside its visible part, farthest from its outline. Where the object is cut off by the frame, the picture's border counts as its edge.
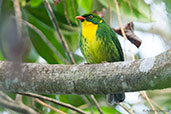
(89, 31)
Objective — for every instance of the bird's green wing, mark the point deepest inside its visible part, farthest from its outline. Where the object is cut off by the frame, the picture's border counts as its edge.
(109, 35)
(117, 43)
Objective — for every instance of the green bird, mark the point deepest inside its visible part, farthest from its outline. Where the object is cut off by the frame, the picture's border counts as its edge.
(99, 43)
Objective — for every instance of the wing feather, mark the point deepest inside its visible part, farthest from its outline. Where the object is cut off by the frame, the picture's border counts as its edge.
(107, 34)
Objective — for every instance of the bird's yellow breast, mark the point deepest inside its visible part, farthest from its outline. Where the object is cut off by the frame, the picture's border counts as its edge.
(89, 31)
(92, 47)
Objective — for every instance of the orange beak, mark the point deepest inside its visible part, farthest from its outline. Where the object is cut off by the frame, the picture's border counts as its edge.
(80, 18)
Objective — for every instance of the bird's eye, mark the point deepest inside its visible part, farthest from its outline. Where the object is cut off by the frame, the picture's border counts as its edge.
(90, 17)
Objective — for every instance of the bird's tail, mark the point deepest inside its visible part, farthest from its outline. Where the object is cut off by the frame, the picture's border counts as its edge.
(115, 98)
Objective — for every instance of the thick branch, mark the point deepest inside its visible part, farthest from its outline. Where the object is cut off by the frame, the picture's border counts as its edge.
(146, 74)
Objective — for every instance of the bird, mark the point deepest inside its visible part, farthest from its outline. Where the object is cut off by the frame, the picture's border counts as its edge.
(99, 43)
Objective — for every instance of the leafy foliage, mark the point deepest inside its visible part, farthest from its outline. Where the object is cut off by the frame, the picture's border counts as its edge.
(133, 9)
(105, 110)
(1, 57)
(168, 8)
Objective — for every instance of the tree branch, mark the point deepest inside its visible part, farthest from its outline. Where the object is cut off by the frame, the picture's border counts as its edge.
(125, 107)
(155, 104)
(7, 102)
(54, 101)
(5, 97)
(146, 74)
(143, 93)
(50, 107)
(96, 103)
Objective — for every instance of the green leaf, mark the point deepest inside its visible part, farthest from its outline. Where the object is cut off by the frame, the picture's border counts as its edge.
(42, 48)
(109, 110)
(69, 8)
(32, 56)
(74, 100)
(42, 21)
(44, 17)
(105, 110)
(86, 5)
(72, 40)
(63, 98)
(168, 8)
(0, 6)
(78, 58)
(6, 8)
(35, 3)
(2, 110)
(39, 13)
(133, 9)
(49, 32)
(1, 57)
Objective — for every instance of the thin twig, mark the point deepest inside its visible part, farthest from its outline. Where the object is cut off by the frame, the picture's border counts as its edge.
(7, 102)
(120, 23)
(56, 26)
(45, 40)
(126, 108)
(48, 106)
(110, 13)
(34, 107)
(130, 7)
(5, 97)
(87, 102)
(17, 107)
(132, 108)
(119, 19)
(74, 10)
(66, 14)
(96, 104)
(19, 98)
(149, 101)
(155, 104)
(84, 106)
(54, 101)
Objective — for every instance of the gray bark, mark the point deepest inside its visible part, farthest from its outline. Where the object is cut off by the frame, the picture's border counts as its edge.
(146, 74)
